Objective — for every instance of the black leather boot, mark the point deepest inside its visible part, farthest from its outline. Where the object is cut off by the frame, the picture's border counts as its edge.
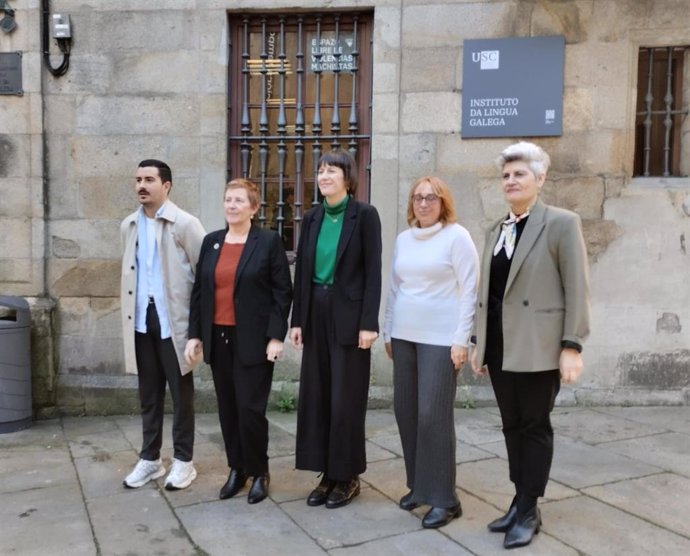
(502, 524)
(259, 488)
(523, 530)
(236, 480)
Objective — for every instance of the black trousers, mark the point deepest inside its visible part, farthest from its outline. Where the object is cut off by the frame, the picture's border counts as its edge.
(525, 400)
(242, 392)
(157, 364)
(333, 393)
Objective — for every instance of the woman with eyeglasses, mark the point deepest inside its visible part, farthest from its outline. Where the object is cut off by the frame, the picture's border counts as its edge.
(429, 316)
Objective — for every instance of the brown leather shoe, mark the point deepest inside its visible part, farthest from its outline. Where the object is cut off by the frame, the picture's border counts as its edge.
(343, 493)
(319, 495)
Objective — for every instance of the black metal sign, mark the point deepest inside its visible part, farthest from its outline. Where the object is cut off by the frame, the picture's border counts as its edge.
(513, 87)
(11, 73)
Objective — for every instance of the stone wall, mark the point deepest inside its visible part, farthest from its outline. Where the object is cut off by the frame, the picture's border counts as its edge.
(149, 80)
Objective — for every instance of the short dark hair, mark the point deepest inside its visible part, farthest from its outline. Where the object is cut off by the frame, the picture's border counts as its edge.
(342, 159)
(164, 170)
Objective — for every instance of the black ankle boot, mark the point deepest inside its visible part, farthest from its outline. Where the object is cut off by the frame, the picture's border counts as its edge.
(523, 530)
(236, 480)
(259, 489)
(502, 524)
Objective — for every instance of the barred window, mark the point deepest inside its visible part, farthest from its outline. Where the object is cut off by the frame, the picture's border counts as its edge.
(662, 108)
(299, 85)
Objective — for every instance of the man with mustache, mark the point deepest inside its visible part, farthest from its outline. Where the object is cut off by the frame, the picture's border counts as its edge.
(161, 244)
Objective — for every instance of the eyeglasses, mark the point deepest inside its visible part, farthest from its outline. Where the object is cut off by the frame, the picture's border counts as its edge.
(430, 199)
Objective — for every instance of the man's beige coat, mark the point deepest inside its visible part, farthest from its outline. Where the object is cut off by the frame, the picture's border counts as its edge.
(546, 298)
(178, 238)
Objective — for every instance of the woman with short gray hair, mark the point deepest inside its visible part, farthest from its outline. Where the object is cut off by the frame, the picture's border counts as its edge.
(531, 321)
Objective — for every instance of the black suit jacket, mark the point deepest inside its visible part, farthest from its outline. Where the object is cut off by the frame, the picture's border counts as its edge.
(263, 292)
(357, 279)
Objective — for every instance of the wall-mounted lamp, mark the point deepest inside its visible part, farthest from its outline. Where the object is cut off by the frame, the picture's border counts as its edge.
(7, 23)
(61, 28)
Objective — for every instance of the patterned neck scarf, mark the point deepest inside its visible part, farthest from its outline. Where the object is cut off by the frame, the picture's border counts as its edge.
(508, 234)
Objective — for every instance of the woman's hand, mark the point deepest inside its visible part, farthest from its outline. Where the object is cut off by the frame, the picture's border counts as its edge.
(274, 349)
(476, 369)
(296, 337)
(458, 355)
(367, 338)
(570, 365)
(192, 351)
(389, 349)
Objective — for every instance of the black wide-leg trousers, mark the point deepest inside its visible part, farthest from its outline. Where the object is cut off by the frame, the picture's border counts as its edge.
(525, 400)
(334, 388)
(242, 392)
(157, 364)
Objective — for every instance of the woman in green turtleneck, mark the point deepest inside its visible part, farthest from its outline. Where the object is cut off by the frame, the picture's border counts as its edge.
(335, 320)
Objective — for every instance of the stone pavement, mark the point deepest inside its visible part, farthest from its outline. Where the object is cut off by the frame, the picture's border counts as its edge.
(620, 485)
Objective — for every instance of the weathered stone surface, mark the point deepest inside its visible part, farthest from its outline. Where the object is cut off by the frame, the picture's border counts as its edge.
(592, 527)
(86, 277)
(571, 19)
(418, 158)
(584, 196)
(98, 115)
(437, 25)
(420, 112)
(430, 69)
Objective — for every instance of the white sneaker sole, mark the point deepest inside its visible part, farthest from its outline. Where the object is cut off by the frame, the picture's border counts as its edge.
(183, 484)
(157, 475)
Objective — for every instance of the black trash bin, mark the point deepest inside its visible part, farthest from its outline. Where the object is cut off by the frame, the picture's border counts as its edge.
(15, 364)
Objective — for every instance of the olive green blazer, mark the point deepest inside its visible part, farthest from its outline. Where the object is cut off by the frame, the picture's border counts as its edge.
(546, 299)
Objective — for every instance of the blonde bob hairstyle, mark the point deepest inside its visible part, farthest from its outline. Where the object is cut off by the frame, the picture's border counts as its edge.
(440, 188)
(253, 193)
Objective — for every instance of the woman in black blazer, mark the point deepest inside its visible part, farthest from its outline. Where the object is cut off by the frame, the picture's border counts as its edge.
(335, 319)
(239, 310)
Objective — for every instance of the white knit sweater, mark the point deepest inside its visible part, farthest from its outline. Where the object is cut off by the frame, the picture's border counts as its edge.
(433, 287)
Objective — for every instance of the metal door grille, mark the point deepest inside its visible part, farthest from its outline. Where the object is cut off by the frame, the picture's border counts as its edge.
(660, 111)
(299, 84)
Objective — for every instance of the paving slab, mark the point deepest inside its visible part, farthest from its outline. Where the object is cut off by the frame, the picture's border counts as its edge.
(579, 465)
(370, 516)
(381, 423)
(672, 418)
(75, 427)
(237, 528)
(594, 427)
(138, 522)
(471, 533)
(46, 521)
(102, 475)
(376, 452)
(477, 426)
(99, 443)
(288, 483)
(660, 499)
(388, 477)
(463, 451)
(428, 543)
(24, 470)
(668, 451)
(593, 527)
(489, 481)
(40, 436)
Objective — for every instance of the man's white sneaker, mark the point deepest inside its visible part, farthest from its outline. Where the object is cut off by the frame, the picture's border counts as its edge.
(181, 475)
(143, 472)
